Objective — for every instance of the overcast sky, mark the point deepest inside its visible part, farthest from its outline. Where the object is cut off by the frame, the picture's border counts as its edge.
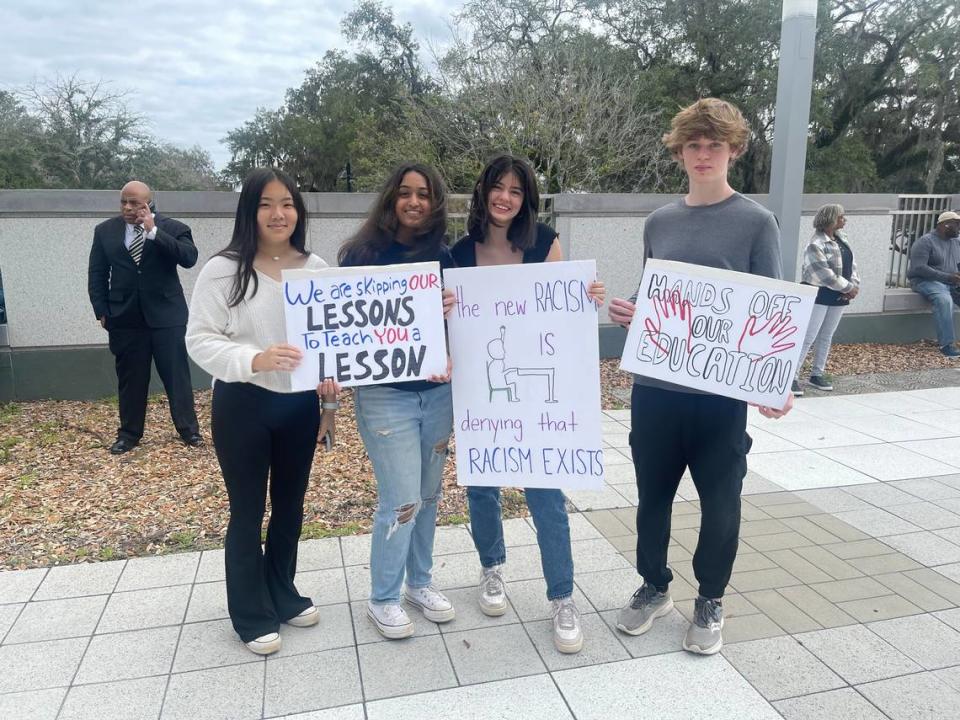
(195, 69)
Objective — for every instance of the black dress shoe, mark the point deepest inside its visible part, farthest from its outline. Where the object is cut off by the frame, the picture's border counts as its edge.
(121, 446)
(193, 439)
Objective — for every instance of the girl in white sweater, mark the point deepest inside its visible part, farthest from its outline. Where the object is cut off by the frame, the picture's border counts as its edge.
(261, 428)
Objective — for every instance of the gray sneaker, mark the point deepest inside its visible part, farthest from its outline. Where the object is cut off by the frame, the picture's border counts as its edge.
(704, 636)
(646, 605)
(822, 382)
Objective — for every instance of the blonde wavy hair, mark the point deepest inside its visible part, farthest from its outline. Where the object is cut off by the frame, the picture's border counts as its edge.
(711, 118)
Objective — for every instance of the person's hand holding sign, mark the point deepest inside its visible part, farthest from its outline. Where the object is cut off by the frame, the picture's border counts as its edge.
(445, 378)
(597, 292)
(280, 357)
(449, 300)
(621, 311)
(767, 337)
(673, 318)
(773, 413)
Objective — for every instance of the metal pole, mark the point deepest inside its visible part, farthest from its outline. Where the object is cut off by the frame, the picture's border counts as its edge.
(791, 121)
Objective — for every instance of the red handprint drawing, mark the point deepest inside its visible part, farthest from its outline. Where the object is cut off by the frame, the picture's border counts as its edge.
(673, 318)
(768, 339)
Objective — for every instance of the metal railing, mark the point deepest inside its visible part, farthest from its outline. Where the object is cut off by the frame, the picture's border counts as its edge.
(915, 216)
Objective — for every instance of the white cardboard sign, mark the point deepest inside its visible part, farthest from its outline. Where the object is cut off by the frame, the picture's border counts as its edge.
(526, 376)
(724, 332)
(365, 325)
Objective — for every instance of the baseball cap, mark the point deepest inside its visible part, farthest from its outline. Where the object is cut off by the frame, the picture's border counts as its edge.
(946, 216)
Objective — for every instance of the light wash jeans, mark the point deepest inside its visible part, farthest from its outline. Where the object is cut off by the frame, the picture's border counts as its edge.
(823, 324)
(938, 295)
(549, 511)
(406, 435)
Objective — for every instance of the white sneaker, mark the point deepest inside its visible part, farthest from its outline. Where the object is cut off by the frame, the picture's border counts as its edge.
(391, 620)
(309, 617)
(491, 591)
(567, 636)
(431, 602)
(265, 644)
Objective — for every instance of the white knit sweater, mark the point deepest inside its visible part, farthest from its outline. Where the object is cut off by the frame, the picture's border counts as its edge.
(224, 340)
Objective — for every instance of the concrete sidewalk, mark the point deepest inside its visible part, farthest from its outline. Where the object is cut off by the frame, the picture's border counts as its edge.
(843, 604)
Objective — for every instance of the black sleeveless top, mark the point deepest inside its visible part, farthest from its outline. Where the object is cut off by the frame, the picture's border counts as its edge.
(826, 296)
(465, 251)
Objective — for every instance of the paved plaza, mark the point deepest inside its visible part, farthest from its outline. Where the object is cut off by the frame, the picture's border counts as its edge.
(843, 603)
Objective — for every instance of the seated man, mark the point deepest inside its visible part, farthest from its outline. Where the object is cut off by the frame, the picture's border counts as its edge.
(935, 273)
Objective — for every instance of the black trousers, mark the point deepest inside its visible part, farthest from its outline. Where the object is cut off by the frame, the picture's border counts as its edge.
(133, 349)
(671, 431)
(259, 434)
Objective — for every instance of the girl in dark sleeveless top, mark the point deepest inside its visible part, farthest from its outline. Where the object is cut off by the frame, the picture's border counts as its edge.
(503, 230)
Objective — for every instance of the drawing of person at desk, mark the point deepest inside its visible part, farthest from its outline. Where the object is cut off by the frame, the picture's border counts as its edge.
(501, 378)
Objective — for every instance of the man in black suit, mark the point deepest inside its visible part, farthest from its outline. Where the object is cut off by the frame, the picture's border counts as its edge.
(137, 297)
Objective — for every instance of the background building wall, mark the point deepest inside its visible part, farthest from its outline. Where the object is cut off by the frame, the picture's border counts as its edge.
(54, 346)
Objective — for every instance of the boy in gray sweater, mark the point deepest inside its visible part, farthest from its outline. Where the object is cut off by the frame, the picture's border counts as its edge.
(674, 427)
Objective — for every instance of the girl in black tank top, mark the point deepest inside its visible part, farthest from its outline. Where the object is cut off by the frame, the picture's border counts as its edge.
(503, 230)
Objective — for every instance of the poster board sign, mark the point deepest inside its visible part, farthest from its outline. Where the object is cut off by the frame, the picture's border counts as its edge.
(365, 325)
(720, 331)
(526, 376)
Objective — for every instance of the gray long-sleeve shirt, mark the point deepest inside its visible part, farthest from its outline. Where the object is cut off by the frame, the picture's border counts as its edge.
(934, 258)
(735, 234)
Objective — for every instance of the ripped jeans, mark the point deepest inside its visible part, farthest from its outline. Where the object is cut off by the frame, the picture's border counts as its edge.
(405, 434)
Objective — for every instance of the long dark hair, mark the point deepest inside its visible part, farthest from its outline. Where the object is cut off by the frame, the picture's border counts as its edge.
(243, 244)
(380, 228)
(522, 232)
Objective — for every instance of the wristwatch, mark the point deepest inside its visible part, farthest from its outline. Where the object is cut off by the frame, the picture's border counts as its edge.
(335, 405)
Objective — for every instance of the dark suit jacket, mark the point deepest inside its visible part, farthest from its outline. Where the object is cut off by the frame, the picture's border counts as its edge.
(150, 294)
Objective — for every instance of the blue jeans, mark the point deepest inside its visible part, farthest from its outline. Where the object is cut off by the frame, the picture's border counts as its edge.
(406, 435)
(938, 295)
(549, 511)
(823, 324)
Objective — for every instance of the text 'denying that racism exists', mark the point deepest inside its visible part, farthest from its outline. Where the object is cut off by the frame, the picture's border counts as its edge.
(526, 378)
(365, 325)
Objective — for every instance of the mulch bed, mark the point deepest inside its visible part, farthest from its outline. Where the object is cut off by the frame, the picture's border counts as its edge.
(65, 499)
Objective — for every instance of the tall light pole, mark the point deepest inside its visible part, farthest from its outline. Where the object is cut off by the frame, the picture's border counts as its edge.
(798, 32)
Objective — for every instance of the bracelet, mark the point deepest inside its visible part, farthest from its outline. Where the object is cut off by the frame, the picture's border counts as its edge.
(330, 405)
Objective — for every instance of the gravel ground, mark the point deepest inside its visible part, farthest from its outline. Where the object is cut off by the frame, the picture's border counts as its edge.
(64, 498)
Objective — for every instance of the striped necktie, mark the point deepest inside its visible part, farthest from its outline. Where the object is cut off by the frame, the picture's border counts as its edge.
(136, 246)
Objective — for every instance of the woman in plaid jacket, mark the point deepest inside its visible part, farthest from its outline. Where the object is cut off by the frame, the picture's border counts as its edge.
(828, 264)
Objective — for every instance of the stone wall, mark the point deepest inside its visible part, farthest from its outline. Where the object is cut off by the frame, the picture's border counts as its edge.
(45, 237)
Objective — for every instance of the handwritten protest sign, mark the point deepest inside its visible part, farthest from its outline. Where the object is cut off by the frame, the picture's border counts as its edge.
(365, 325)
(724, 332)
(526, 376)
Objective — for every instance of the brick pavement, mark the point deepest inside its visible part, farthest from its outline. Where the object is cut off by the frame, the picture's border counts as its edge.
(843, 603)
